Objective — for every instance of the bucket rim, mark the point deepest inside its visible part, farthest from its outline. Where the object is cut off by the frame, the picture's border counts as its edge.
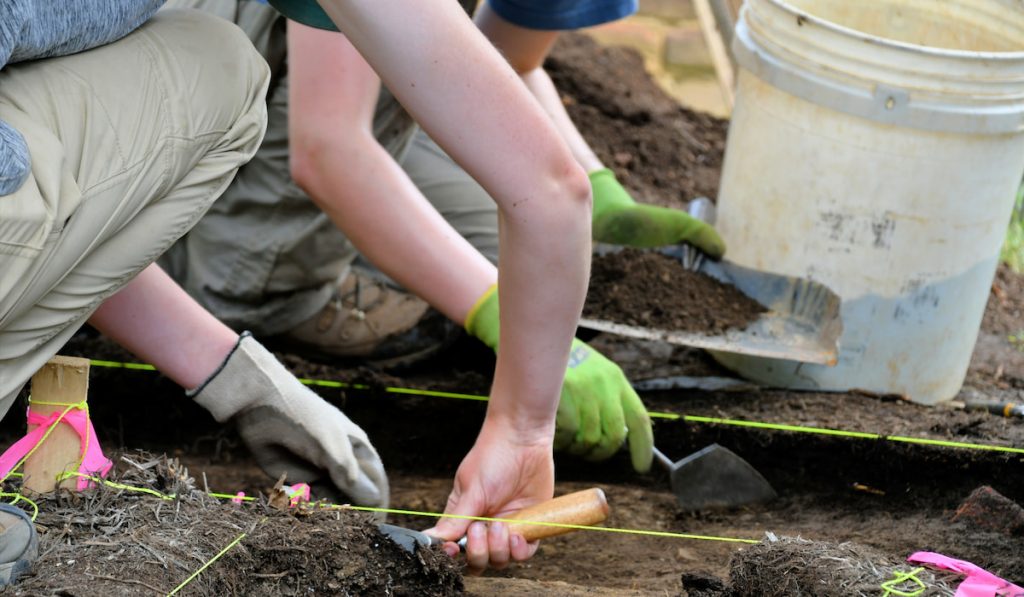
(885, 41)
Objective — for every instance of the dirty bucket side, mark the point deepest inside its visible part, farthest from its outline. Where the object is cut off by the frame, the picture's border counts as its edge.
(882, 169)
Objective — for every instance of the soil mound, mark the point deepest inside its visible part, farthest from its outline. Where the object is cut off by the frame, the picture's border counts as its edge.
(120, 542)
(662, 152)
(649, 289)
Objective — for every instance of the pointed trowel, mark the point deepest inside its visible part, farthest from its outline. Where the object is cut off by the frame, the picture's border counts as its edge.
(587, 507)
(715, 477)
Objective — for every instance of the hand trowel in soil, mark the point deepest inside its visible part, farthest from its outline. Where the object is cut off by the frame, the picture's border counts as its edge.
(715, 477)
(587, 507)
(801, 324)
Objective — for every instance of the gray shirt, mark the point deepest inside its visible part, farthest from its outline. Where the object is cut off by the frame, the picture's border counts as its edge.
(32, 29)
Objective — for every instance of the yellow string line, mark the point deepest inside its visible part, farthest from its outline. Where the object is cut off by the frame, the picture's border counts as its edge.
(120, 365)
(561, 525)
(116, 485)
(900, 577)
(778, 426)
(228, 496)
(207, 565)
(20, 498)
(580, 527)
(656, 415)
(392, 389)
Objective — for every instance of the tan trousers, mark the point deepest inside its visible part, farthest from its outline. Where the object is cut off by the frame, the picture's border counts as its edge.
(266, 258)
(130, 144)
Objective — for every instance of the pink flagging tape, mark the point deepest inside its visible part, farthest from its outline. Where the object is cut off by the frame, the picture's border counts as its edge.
(978, 582)
(92, 460)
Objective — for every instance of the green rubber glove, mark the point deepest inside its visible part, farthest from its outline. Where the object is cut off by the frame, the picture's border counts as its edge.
(598, 409)
(619, 220)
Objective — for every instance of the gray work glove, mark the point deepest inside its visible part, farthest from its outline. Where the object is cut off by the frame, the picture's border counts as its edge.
(289, 428)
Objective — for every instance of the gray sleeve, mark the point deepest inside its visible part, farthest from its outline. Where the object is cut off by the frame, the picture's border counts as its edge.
(59, 27)
(31, 29)
(14, 160)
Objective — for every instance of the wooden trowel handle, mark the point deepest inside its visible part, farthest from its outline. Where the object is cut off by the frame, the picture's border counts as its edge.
(585, 507)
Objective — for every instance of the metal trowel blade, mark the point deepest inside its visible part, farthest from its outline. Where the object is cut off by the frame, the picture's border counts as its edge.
(716, 477)
(407, 538)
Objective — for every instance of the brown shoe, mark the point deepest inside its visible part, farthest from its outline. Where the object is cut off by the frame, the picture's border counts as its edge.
(370, 321)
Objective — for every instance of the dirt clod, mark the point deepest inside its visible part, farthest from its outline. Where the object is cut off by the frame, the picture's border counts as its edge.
(653, 290)
(988, 509)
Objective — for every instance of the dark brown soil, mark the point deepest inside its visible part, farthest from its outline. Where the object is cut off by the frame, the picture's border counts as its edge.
(117, 542)
(662, 152)
(648, 289)
(1005, 312)
(894, 497)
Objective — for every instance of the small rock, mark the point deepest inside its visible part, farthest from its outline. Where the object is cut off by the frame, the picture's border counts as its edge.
(988, 509)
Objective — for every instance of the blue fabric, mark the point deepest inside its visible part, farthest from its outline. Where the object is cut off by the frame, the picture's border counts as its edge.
(561, 15)
(307, 12)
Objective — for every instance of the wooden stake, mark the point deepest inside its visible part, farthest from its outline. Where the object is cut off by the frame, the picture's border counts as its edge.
(62, 380)
(725, 19)
(716, 47)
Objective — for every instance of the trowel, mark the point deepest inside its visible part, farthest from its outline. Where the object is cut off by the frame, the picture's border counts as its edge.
(587, 507)
(715, 477)
(802, 322)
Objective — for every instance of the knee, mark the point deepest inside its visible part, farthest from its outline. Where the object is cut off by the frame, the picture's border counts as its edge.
(226, 53)
(221, 74)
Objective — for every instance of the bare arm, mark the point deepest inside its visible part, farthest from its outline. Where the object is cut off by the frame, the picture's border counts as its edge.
(338, 162)
(471, 102)
(525, 50)
(617, 218)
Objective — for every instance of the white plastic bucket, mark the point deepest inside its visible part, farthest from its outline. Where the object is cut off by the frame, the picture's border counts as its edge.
(876, 147)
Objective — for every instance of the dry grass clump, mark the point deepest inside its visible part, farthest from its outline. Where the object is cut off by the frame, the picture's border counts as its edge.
(792, 566)
(111, 541)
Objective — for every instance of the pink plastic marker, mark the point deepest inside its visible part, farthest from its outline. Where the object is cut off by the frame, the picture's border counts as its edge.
(94, 463)
(978, 582)
(297, 494)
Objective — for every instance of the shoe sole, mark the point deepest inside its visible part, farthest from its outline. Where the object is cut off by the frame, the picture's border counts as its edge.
(28, 552)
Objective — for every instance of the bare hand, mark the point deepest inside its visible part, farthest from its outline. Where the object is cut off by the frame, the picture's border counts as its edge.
(501, 475)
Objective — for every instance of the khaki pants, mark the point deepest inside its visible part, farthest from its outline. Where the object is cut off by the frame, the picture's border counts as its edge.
(130, 143)
(265, 258)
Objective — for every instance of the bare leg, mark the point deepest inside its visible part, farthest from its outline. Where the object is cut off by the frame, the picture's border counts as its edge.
(154, 319)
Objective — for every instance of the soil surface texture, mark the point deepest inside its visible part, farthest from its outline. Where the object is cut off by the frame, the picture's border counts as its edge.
(662, 152)
(648, 289)
(788, 566)
(120, 542)
(883, 491)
